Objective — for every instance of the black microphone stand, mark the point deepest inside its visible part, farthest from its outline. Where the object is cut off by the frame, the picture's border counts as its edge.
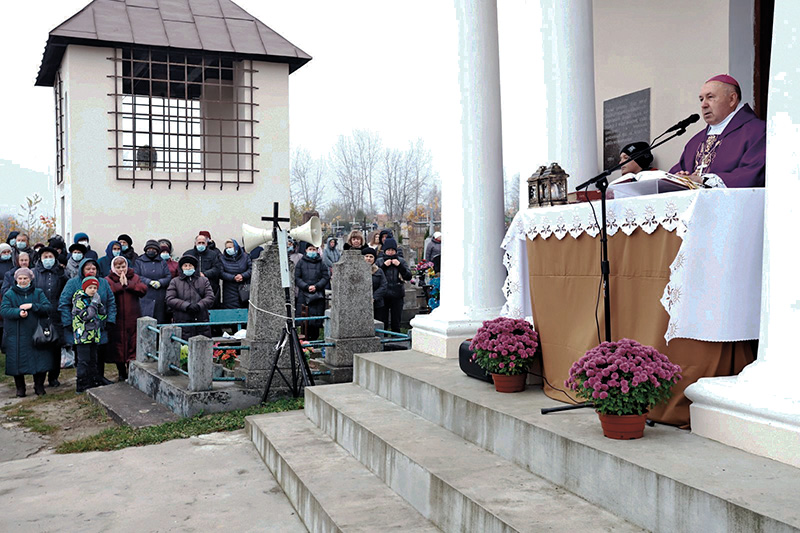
(601, 183)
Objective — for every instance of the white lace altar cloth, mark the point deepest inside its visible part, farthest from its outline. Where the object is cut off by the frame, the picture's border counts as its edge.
(714, 290)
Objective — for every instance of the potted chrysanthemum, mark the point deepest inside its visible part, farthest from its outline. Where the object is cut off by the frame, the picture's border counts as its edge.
(505, 347)
(623, 380)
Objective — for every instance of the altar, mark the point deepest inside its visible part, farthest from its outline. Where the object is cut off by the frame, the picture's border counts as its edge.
(685, 278)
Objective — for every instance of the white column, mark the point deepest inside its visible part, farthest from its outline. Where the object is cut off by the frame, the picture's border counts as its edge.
(472, 203)
(567, 33)
(759, 410)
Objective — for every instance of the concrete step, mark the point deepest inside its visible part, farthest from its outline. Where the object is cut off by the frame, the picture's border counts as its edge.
(455, 484)
(128, 406)
(330, 489)
(670, 480)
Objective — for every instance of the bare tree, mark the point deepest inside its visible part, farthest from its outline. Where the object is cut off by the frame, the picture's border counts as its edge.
(420, 166)
(394, 183)
(511, 194)
(308, 180)
(355, 161)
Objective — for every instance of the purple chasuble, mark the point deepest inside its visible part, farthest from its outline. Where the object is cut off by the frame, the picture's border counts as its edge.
(737, 155)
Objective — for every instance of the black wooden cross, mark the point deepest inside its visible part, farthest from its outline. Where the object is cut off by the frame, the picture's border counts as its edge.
(275, 219)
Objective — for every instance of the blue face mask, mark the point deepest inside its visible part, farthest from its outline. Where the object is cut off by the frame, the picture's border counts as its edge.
(164, 256)
(201, 248)
(77, 256)
(25, 287)
(124, 247)
(5, 257)
(188, 272)
(115, 253)
(230, 251)
(22, 245)
(12, 242)
(48, 262)
(312, 255)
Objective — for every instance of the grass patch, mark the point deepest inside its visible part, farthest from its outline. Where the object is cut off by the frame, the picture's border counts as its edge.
(3, 377)
(27, 418)
(123, 437)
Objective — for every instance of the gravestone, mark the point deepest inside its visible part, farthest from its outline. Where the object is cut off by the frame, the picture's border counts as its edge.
(351, 326)
(265, 323)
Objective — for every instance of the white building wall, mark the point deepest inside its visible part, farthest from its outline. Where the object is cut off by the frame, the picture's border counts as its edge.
(102, 206)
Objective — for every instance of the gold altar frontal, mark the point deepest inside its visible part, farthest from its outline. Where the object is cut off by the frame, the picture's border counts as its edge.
(564, 278)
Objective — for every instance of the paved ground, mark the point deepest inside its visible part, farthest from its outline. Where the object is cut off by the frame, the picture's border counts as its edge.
(214, 482)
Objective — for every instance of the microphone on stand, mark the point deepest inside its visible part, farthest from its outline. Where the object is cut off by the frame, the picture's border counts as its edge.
(684, 123)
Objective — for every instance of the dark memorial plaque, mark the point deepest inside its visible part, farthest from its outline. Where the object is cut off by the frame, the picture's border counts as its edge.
(626, 119)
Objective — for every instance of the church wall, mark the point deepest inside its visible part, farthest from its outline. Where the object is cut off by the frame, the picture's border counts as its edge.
(670, 47)
(104, 207)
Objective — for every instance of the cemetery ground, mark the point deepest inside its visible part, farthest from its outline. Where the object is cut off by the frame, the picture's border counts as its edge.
(62, 421)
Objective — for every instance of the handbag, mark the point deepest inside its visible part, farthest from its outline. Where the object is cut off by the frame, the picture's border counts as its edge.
(244, 291)
(45, 335)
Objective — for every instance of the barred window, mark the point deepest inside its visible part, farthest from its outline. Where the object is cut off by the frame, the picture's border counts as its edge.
(183, 118)
(58, 91)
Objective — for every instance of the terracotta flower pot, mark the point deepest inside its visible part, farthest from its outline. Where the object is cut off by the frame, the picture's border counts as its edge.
(623, 427)
(504, 383)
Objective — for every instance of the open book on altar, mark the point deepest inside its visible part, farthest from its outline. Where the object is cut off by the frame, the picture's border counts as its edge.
(649, 182)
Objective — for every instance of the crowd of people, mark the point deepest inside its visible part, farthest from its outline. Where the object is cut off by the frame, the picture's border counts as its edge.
(57, 297)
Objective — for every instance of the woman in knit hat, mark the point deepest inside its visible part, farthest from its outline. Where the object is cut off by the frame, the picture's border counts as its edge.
(22, 307)
(128, 288)
(155, 274)
(190, 296)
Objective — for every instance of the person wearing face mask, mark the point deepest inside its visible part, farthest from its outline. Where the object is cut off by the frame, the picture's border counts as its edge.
(24, 261)
(128, 289)
(56, 242)
(49, 276)
(311, 277)
(126, 248)
(88, 267)
(190, 296)
(209, 262)
(166, 255)
(154, 273)
(11, 240)
(22, 307)
(76, 253)
(6, 265)
(236, 270)
(114, 249)
(397, 273)
(83, 239)
(378, 282)
(21, 245)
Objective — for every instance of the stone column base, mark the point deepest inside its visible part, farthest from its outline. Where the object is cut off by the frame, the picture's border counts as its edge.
(437, 335)
(742, 415)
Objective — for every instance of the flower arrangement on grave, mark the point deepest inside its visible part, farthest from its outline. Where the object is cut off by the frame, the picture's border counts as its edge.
(184, 357)
(623, 379)
(226, 358)
(505, 347)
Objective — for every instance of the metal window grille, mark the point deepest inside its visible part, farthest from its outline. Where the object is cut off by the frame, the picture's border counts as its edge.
(183, 118)
(58, 91)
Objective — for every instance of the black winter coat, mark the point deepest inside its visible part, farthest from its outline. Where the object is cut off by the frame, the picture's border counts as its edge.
(395, 276)
(52, 282)
(379, 287)
(239, 263)
(156, 269)
(209, 263)
(182, 292)
(22, 357)
(309, 272)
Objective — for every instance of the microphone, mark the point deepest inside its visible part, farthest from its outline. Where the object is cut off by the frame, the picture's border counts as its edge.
(683, 123)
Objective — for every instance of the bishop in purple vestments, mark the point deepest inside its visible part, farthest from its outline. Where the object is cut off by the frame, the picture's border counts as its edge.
(733, 146)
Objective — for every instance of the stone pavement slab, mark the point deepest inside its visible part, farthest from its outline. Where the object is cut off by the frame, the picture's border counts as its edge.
(129, 406)
(17, 444)
(214, 482)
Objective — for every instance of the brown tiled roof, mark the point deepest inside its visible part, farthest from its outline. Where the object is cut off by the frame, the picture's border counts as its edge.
(210, 25)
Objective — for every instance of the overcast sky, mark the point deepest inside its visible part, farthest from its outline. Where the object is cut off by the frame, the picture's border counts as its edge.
(390, 67)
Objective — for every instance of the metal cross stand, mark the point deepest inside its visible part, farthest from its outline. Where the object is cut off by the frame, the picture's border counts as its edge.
(301, 374)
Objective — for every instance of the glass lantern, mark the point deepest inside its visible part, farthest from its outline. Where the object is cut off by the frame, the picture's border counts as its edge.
(533, 188)
(555, 181)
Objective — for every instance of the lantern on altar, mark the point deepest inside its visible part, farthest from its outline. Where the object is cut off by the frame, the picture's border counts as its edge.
(556, 180)
(547, 186)
(533, 187)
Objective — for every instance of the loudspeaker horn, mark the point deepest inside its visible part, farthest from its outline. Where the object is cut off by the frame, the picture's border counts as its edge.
(310, 232)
